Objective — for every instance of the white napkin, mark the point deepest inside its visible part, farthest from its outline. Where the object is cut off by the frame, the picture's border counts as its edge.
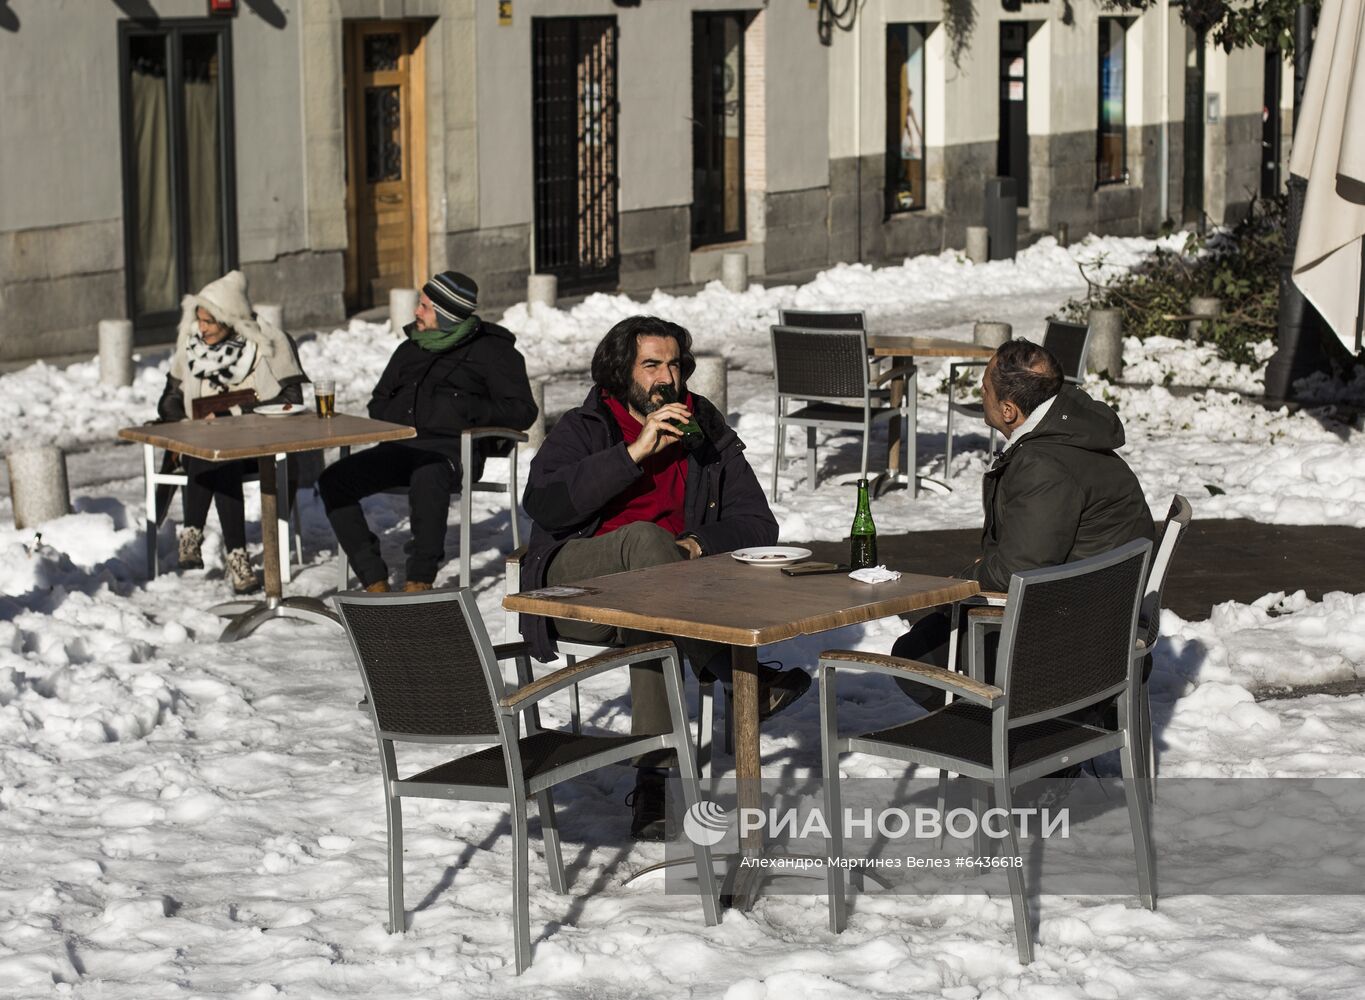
(874, 574)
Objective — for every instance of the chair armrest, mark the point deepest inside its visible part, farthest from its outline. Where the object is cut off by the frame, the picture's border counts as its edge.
(507, 650)
(972, 363)
(924, 673)
(474, 433)
(1140, 649)
(538, 691)
(984, 612)
(895, 372)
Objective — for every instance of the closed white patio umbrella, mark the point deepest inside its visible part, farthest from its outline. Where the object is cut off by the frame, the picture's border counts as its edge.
(1329, 151)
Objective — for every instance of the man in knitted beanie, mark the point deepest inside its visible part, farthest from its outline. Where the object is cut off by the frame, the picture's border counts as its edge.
(452, 371)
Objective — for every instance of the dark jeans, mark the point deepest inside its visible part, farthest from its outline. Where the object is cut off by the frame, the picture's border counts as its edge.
(430, 478)
(220, 484)
(636, 546)
(927, 641)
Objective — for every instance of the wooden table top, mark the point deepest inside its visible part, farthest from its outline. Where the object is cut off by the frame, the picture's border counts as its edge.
(723, 600)
(253, 435)
(903, 345)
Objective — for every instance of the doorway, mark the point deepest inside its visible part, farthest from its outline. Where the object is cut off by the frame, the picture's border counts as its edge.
(385, 159)
(575, 108)
(1192, 186)
(717, 128)
(179, 212)
(1012, 148)
(1270, 123)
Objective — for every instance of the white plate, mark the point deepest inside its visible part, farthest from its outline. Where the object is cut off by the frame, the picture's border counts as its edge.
(771, 555)
(278, 409)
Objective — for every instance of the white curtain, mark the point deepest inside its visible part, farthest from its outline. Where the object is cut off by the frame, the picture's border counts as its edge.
(155, 264)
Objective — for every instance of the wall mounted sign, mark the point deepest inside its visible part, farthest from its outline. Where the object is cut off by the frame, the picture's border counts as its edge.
(228, 7)
(504, 12)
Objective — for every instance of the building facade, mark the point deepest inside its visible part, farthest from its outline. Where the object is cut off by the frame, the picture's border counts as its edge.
(335, 149)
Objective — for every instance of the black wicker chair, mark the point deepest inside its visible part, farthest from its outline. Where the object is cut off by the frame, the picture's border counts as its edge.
(820, 319)
(1067, 642)
(432, 676)
(828, 371)
(986, 613)
(1069, 344)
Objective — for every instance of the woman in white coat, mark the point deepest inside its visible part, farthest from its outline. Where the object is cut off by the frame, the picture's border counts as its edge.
(222, 347)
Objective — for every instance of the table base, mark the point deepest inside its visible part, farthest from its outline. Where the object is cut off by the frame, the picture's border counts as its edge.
(248, 616)
(889, 481)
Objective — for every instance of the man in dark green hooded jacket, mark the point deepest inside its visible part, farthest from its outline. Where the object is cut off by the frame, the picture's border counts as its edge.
(1059, 493)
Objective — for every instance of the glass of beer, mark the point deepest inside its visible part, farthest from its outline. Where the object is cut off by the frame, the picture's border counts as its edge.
(325, 395)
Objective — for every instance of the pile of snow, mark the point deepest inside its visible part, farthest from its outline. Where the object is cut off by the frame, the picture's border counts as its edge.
(185, 818)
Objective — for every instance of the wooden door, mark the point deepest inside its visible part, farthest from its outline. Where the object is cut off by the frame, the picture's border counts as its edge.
(385, 139)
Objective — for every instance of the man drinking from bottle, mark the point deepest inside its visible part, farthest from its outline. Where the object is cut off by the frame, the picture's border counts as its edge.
(614, 488)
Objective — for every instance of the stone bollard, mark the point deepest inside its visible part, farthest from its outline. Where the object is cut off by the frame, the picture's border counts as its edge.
(535, 434)
(1063, 234)
(1106, 343)
(978, 244)
(988, 334)
(272, 313)
(37, 485)
(542, 289)
(734, 270)
(116, 352)
(1200, 306)
(402, 308)
(711, 380)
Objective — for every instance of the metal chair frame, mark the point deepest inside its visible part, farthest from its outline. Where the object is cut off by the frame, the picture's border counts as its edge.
(286, 522)
(1059, 338)
(842, 410)
(822, 319)
(573, 651)
(468, 487)
(578, 754)
(1001, 776)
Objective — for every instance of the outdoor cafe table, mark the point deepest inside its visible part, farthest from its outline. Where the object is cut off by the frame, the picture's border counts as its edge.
(268, 440)
(720, 599)
(903, 349)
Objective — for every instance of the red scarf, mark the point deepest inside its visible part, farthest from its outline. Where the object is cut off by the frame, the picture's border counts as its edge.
(656, 496)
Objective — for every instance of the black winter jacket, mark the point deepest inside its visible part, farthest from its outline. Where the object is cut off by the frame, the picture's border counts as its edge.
(583, 465)
(1060, 493)
(480, 382)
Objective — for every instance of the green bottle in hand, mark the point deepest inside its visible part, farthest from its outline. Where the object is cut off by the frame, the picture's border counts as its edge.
(692, 435)
(863, 532)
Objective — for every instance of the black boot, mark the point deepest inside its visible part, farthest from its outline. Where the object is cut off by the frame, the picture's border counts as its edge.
(649, 804)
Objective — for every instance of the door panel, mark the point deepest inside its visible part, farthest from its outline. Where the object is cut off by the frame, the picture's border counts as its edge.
(1013, 149)
(383, 161)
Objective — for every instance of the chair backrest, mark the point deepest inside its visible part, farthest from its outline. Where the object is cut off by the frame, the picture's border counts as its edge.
(820, 364)
(427, 662)
(1177, 520)
(1067, 639)
(1069, 343)
(818, 319)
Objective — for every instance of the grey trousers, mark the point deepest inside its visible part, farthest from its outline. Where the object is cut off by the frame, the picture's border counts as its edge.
(635, 546)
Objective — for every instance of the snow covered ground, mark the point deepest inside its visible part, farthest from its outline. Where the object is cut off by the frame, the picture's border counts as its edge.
(185, 819)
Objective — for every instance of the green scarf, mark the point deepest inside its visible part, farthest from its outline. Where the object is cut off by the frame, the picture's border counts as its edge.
(439, 340)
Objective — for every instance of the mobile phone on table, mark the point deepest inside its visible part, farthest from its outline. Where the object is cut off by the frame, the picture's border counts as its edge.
(814, 568)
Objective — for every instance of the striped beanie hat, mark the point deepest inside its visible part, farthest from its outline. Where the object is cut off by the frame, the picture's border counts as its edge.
(454, 295)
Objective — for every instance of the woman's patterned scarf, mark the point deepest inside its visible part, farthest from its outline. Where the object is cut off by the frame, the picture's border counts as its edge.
(224, 364)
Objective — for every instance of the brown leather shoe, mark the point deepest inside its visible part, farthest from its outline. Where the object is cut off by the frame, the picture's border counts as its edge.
(415, 586)
(378, 587)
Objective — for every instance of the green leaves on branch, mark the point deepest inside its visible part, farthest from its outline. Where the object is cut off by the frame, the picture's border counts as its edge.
(1268, 23)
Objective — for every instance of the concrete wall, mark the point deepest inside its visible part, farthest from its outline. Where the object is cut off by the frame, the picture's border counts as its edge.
(61, 178)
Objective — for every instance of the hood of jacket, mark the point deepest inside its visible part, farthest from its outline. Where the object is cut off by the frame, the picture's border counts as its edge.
(1076, 421)
(226, 301)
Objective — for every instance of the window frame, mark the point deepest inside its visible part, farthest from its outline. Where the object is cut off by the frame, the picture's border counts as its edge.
(699, 238)
(1120, 24)
(890, 207)
(173, 30)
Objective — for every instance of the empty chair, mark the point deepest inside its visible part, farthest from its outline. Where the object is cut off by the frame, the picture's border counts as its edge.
(819, 319)
(1067, 642)
(828, 372)
(432, 677)
(1069, 344)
